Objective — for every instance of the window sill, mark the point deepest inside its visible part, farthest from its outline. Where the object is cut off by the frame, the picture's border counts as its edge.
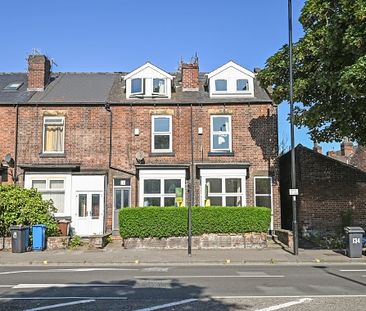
(162, 154)
(52, 155)
(221, 153)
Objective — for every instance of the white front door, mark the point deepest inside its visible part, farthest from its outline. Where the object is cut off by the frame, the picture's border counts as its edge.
(89, 217)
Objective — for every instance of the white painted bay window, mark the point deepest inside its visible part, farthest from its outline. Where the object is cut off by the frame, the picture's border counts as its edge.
(157, 187)
(223, 187)
(161, 133)
(52, 189)
(221, 133)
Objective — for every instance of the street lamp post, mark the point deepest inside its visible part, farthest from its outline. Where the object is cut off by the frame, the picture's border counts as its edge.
(293, 191)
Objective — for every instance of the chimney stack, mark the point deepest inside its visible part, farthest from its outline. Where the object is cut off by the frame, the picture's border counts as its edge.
(346, 147)
(190, 76)
(317, 148)
(39, 72)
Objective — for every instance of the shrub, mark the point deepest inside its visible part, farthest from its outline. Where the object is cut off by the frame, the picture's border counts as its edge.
(172, 221)
(20, 206)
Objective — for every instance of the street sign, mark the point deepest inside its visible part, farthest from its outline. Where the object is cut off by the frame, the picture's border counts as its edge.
(294, 191)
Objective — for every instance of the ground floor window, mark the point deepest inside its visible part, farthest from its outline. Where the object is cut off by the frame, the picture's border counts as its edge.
(223, 187)
(158, 187)
(52, 189)
(263, 191)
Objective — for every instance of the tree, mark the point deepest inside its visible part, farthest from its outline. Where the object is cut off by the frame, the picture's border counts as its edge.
(329, 70)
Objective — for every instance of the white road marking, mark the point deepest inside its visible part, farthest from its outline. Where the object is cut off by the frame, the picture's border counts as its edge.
(206, 276)
(65, 285)
(66, 270)
(356, 270)
(5, 286)
(61, 305)
(155, 269)
(287, 296)
(167, 305)
(60, 298)
(287, 304)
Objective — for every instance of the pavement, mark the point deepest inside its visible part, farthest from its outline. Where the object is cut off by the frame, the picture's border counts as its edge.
(115, 254)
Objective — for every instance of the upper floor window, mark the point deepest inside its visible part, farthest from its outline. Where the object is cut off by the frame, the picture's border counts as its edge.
(221, 133)
(221, 85)
(136, 86)
(161, 134)
(242, 85)
(159, 86)
(263, 191)
(53, 134)
(148, 81)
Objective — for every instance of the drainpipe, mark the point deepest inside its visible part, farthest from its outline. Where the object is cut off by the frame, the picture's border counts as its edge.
(109, 109)
(192, 188)
(15, 177)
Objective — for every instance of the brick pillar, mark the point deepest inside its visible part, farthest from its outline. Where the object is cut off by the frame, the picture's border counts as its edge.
(39, 71)
(190, 77)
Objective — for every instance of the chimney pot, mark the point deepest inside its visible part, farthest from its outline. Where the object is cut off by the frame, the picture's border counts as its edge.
(346, 147)
(317, 148)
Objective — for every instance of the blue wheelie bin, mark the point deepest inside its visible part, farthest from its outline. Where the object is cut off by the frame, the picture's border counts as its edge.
(39, 237)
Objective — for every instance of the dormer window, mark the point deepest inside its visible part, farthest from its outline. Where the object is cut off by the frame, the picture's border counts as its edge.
(221, 85)
(136, 86)
(159, 86)
(242, 85)
(231, 80)
(148, 81)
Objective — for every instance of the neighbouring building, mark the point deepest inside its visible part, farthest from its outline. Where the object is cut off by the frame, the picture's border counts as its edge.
(97, 142)
(13, 92)
(330, 190)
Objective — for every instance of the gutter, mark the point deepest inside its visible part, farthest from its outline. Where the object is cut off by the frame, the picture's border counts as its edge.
(109, 109)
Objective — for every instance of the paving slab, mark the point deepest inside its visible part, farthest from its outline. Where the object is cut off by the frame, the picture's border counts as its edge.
(115, 254)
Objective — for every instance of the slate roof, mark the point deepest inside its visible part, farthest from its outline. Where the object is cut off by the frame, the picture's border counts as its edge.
(76, 88)
(118, 94)
(14, 96)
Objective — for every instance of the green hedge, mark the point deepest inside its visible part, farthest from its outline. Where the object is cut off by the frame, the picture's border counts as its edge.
(20, 206)
(162, 222)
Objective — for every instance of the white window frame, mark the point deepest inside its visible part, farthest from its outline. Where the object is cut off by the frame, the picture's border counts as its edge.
(219, 132)
(242, 91)
(152, 86)
(220, 91)
(153, 133)
(162, 175)
(264, 195)
(224, 174)
(142, 86)
(49, 119)
(47, 190)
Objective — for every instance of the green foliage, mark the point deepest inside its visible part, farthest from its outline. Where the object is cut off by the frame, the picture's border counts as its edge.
(25, 206)
(329, 70)
(329, 241)
(75, 241)
(346, 218)
(173, 221)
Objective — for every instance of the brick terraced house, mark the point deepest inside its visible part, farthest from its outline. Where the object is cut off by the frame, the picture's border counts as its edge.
(97, 142)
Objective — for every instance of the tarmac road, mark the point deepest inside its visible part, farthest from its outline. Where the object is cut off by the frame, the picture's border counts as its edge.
(230, 287)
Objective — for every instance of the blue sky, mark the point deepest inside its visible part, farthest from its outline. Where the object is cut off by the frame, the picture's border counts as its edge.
(120, 35)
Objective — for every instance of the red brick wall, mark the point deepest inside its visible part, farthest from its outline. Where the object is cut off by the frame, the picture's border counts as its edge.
(254, 133)
(190, 76)
(7, 136)
(39, 69)
(326, 189)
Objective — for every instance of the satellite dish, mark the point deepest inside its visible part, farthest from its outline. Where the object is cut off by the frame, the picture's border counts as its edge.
(140, 156)
(9, 160)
